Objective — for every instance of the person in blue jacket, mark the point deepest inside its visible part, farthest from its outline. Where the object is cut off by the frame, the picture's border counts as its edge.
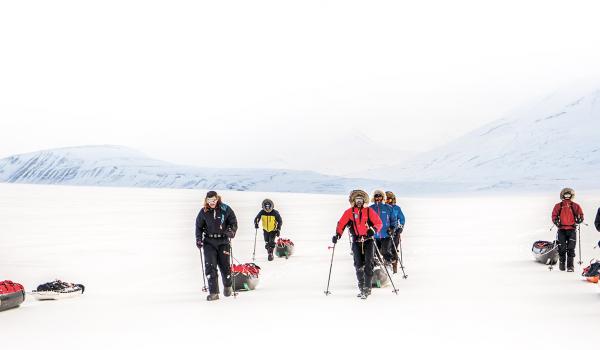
(383, 238)
(390, 199)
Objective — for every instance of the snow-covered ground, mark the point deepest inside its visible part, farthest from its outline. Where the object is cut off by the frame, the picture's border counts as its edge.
(472, 282)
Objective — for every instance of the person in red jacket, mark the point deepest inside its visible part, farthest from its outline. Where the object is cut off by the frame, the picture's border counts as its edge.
(566, 215)
(362, 222)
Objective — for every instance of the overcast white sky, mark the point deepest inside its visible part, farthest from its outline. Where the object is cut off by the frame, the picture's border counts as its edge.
(171, 77)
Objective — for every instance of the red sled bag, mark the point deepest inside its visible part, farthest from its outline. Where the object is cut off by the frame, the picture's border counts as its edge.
(245, 276)
(284, 248)
(11, 295)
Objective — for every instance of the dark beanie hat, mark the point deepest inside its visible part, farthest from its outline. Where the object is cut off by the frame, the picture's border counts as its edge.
(211, 194)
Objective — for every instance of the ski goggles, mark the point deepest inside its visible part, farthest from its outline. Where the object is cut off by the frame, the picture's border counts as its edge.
(359, 200)
(212, 200)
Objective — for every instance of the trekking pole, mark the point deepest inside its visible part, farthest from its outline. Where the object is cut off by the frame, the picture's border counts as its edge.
(231, 269)
(254, 251)
(404, 275)
(555, 247)
(204, 289)
(579, 239)
(350, 241)
(327, 292)
(385, 268)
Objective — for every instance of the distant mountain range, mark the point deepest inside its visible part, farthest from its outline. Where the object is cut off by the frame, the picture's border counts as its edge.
(123, 167)
(549, 144)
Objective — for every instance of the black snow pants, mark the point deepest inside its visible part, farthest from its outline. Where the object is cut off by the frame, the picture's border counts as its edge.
(216, 254)
(385, 247)
(269, 240)
(567, 240)
(363, 253)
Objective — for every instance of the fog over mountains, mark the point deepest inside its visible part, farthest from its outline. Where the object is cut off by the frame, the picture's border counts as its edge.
(552, 142)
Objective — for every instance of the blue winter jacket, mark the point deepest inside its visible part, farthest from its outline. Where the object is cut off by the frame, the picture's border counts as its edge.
(386, 213)
(399, 215)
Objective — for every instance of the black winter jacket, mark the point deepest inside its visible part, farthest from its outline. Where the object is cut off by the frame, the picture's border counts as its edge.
(597, 221)
(215, 221)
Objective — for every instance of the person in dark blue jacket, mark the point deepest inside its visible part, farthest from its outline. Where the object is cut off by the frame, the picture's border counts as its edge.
(390, 199)
(383, 238)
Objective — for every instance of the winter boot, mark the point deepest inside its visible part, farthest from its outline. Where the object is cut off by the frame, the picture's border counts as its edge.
(212, 297)
(361, 287)
(227, 291)
(561, 265)
(270, 252)
(570, 267)
(364, 294)
(395, 266)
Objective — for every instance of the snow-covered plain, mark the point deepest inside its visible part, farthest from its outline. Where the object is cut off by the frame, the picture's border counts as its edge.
(472, 282)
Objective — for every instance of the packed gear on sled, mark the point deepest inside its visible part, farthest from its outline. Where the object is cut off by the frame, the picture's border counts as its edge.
(380, 278)
(57, 289)
(11, 295)
(271, 223)
(245, 276)
(545, 252)
(284, 248)
(592, 272)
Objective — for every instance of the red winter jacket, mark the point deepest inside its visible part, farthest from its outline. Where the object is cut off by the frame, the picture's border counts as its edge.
(358, 221)
(566, 214)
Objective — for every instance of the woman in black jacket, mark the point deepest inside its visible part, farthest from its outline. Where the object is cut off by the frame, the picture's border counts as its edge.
(216, 225)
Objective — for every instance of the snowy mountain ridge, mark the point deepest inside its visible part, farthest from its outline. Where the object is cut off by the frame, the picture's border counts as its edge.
(550, 143)
(123, 167)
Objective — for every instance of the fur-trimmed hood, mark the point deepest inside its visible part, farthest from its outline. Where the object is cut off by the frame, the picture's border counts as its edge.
(567, 190)
(377, 192)
(358, 193)
(267, 201)
(390, 195)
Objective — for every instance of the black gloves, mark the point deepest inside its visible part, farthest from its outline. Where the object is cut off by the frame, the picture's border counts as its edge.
(335, 238)
(579, 220)
(390, 231)
(371, 231)
(230, 233)
(256, 225)
(399, 229)
(199, 243)
(277, 233)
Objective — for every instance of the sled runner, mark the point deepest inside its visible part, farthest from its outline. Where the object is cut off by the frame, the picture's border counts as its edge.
(245, 276)
(11, 295)
(545, 252)
(284, 248)
(57, 289)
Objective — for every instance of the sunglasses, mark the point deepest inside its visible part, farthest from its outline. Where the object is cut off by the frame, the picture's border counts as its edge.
(211, 200)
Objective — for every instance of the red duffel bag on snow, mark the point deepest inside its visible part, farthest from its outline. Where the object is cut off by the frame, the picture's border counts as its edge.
(11, 295)
(245, 276)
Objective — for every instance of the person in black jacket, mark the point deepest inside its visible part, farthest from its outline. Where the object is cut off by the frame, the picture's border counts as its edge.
(597, 221)
(216, 225)
(271, 224)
